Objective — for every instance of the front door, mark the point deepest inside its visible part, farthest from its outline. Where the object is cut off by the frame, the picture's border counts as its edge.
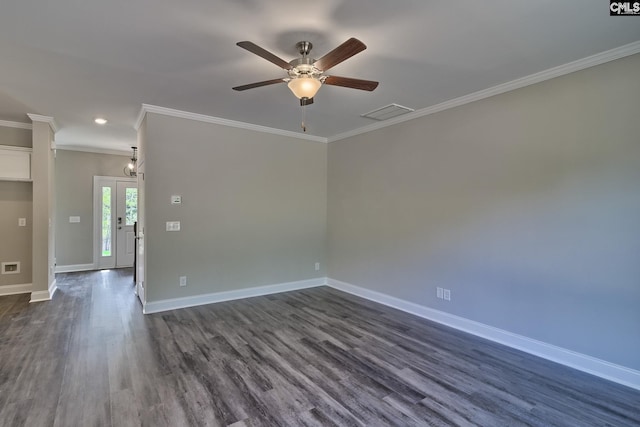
(126, 216)
(115, 212)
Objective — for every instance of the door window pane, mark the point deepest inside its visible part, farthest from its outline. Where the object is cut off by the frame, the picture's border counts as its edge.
(131, 206)
(106, 221)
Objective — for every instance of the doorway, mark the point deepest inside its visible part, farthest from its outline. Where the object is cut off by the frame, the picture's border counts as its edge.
(115, 213)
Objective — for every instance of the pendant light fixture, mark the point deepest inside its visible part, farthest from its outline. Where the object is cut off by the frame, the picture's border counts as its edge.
(132, 168)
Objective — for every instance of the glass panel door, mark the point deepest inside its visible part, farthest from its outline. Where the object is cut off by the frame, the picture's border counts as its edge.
(126, 216)
(105, 243)
(115, 212)
(131, 205)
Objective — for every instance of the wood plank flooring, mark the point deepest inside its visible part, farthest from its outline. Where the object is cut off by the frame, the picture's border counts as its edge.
(316, 357)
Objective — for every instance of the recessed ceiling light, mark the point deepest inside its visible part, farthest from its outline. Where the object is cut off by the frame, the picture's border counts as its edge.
(100, 121)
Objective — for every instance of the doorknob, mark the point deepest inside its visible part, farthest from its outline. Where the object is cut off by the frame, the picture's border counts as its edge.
(119, 220)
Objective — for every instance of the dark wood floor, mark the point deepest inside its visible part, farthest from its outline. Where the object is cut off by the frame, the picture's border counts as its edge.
(316, 357)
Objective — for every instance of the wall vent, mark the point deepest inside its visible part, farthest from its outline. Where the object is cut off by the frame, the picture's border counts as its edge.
(387, 112)
(11, 267)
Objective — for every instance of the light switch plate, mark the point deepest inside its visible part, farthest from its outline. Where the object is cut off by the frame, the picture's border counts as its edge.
(74, 219)
(22, 222)
(176, 199)
(173, 225)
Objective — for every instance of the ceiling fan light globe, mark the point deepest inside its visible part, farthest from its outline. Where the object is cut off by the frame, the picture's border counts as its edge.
(304, 87)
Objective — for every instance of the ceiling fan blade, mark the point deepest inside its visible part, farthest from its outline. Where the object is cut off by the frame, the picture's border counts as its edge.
(352, 83)
(343, 52)
(254, 48)
(258, 84)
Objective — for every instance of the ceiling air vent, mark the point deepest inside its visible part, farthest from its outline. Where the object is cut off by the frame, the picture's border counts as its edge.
(387, 112)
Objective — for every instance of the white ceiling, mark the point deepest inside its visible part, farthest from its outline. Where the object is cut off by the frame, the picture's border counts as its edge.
(77, 59)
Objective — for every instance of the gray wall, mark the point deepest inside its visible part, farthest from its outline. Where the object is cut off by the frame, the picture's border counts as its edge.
(15, 242)
(15, 136)
(526, 205)
(15, 202)
(74, 197)
(253, 211)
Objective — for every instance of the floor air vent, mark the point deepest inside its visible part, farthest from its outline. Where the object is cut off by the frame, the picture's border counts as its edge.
(387, 112)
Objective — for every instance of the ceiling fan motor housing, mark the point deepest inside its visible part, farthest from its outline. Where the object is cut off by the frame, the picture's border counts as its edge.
(304, 66)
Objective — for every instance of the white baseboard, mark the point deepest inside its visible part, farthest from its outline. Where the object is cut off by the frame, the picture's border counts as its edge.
(75, 267)
(191, 301)
(610, 371)
(39, 296)
(24, 288)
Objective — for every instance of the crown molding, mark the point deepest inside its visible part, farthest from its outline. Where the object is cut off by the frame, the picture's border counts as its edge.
(46, 119)
(96, 150)
(551, 73)
(17, 125)
(146, 108)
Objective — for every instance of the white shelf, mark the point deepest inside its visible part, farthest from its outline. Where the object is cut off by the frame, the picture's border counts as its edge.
(15, 163)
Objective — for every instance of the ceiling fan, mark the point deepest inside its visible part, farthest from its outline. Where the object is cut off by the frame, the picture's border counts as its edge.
(305, 74)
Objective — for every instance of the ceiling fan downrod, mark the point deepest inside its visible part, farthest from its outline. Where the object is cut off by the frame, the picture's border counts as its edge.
(304, 47)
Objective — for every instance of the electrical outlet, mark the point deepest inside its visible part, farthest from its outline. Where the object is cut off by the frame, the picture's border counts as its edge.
(447, 295)
(317, 266)
(22, 222)
(439, 292)
(183, 280)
